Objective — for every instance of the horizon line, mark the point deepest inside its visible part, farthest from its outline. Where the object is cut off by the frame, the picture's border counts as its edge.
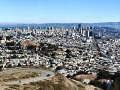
(60, 22)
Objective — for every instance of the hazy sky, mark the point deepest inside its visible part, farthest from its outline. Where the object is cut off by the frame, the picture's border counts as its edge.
(59, 11)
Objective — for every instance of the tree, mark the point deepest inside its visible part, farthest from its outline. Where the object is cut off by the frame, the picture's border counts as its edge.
(1, 68)
(104, 75)
(116, 83)
(31, 47)
(19, 65)
(25, 62)
(53, 55)
(10, 44)
(68, 53)
(94, 82)
(8, 37)
(60, 67)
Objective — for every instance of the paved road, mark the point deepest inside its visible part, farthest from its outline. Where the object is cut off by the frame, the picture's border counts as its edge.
(43, 76)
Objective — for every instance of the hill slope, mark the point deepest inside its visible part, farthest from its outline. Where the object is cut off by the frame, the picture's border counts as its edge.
(59, 82)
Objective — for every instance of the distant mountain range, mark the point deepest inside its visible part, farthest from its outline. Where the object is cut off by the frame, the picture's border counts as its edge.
(60, 25)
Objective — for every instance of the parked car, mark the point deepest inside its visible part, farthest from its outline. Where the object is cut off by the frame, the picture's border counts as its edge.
(48, 75)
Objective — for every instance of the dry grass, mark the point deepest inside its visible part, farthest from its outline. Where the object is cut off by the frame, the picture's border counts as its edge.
(18, 76)
(59, 82)
(88, 76)
(27, 43)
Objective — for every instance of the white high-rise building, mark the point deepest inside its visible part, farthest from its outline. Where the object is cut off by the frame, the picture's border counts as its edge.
(74, 28)
(28, 28)
(84, 33)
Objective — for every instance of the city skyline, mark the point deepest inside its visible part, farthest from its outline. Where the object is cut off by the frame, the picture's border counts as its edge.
(59, 44)
(52, 11)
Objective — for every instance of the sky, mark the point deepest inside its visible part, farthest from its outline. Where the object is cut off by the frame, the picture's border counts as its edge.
(59, 11)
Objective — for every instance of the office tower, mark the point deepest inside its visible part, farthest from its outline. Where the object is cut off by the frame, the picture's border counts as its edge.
(91, 34)
(16, 28)
(28, 28)
(55, 28)
(74, 28)
(91, 28)
(34, 27)
(52, 28)
(23, 30)
(63, 28)
(84, 33)
(7, 29)
(79, 28)
(88, 33)
(67, 33)
(49, 28)
(45, 28)
(81, 31)
(99, 34)
(88, 28)
(39, 27)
